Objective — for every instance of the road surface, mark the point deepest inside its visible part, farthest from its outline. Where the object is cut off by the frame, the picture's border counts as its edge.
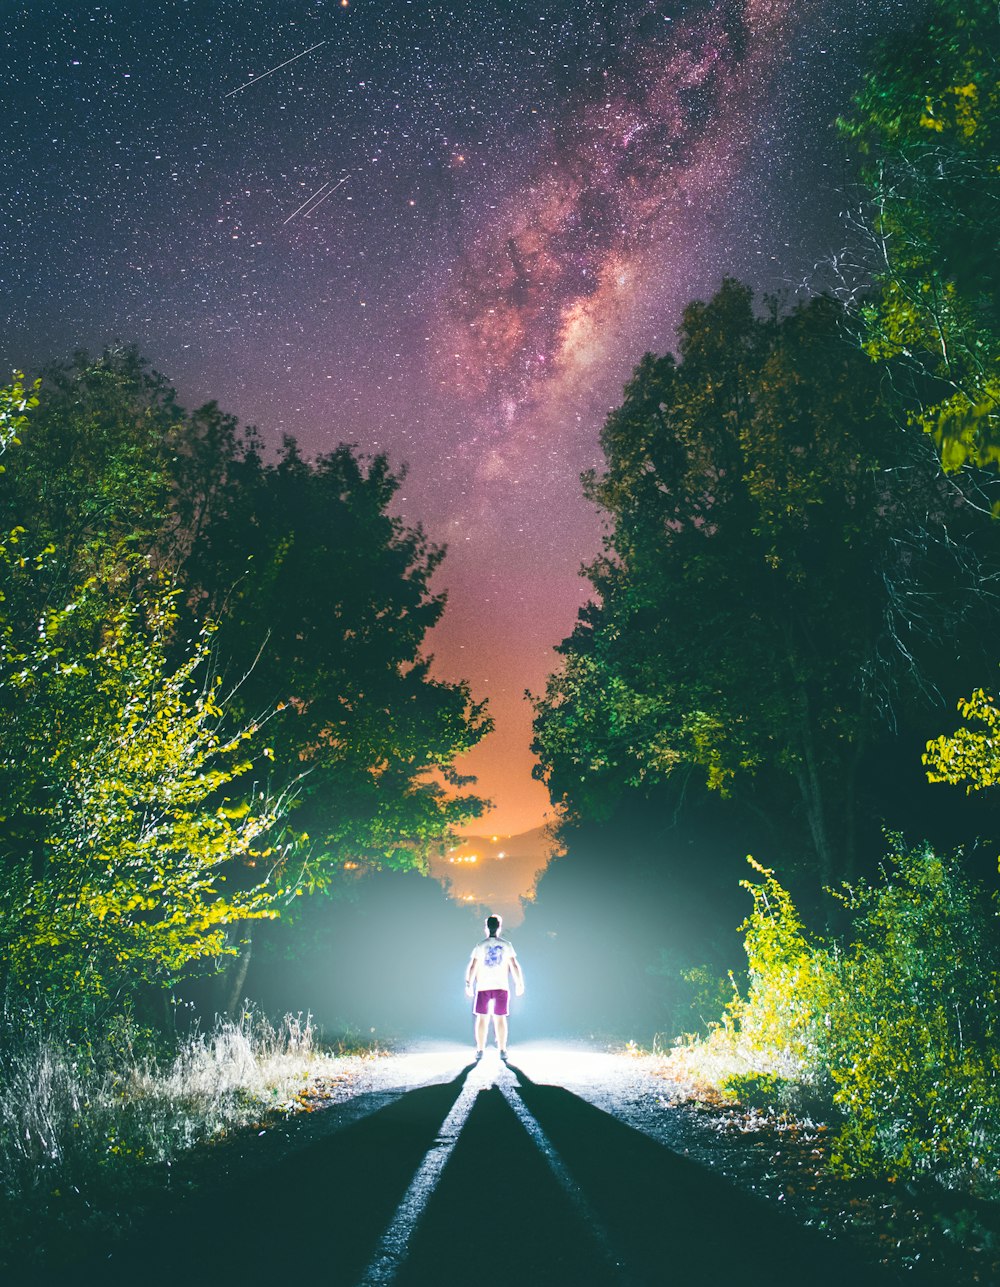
(444, 1171)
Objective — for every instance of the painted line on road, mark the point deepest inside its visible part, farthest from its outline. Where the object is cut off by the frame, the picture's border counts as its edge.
(395, 1242)
(565, 1180)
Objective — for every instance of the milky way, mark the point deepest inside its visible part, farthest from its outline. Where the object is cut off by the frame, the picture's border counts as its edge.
(661, 118)
(443, 231)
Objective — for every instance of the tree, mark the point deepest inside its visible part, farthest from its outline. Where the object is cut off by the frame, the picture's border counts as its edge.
(125, 807)
(326, 601)
(927, 125)
(769, 588)
(93, 476)
(324, 594)
(129, 784)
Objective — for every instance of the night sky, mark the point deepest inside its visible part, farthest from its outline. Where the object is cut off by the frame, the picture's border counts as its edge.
(447, 231)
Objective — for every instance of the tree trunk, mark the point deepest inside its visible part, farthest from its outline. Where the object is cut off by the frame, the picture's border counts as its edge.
(239, 975)
(852, 775)
(811, 790)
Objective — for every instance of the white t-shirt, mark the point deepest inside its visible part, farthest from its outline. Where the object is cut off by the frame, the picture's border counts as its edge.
(492, 957)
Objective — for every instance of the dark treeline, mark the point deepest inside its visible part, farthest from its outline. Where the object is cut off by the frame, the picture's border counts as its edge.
(792, 598)
(799, 581)
(213, 696)
(799, 585)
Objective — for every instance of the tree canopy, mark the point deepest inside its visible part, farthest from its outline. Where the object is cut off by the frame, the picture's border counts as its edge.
(167, 596)
(784, 575)
(927, 125)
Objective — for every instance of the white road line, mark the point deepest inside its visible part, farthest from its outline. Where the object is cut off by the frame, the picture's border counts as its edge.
(395, 1242)
(566, 1182)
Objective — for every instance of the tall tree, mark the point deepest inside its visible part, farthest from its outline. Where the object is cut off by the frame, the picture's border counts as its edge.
(327, 602)
(325, 594)
(125, 803)
(773, 581)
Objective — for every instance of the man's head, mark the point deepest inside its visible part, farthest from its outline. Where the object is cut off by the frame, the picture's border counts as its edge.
(493, 924)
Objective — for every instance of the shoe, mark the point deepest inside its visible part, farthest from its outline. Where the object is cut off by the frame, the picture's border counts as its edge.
(503, 1055)
(479, 1055)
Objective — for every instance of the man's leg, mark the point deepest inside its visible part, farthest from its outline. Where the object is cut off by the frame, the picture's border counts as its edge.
(482, 1029)
(500, 1028)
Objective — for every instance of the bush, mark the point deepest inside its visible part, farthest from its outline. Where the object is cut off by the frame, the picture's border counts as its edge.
(758, 1090)
(913, 1044)
(898, 1029)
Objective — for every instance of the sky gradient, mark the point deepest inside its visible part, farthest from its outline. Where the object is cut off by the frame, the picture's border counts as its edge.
(447, 232)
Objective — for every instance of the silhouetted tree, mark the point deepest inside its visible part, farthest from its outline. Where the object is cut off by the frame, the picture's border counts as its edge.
(784, 573)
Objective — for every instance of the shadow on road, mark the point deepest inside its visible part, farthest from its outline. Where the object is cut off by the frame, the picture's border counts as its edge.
(532, 1184)
(672, 1219)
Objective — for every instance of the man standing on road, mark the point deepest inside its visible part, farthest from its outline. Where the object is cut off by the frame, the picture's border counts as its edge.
(486, 978)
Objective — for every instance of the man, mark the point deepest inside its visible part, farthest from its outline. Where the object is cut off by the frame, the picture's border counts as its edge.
(487, 979)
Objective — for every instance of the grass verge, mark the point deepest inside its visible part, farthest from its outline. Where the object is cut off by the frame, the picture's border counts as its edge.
(91, 1132)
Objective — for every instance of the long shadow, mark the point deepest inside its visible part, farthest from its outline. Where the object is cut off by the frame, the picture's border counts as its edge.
(675, 1220)
(498, 1214)
(315, 1215)
(498, 1208)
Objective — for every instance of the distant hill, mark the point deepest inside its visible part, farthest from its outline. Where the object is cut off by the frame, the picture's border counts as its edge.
(494, 873)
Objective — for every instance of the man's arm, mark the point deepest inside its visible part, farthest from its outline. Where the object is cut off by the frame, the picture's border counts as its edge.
(470, 974)
(515, 969)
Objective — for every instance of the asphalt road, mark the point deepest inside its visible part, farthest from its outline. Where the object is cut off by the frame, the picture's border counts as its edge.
(512, 1173)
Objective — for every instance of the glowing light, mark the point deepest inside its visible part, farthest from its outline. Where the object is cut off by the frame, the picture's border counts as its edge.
(490, 1072)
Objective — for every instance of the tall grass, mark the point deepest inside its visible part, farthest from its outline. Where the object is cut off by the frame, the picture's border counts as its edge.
(82, 1119)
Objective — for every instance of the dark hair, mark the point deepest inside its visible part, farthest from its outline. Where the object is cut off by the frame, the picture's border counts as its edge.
(493, 924)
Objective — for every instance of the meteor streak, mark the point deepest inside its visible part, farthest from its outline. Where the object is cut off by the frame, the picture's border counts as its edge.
(314, 195)
(255, 79)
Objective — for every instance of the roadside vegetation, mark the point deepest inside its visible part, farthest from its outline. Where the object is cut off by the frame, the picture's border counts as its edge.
(213, 703)
(799, 583)
(889, 1035)
(95, 1128)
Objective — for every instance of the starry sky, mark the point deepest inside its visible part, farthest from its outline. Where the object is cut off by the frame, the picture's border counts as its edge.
(444, 231)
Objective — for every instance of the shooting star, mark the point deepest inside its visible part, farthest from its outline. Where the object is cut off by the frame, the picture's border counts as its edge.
(274, 69)
(310, 199)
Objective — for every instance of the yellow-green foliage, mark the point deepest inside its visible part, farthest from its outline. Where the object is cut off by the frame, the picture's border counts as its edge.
(127, 809)
(135, 829)
(969, 756)
(790, 987)
(15, 402)
(900, 1026)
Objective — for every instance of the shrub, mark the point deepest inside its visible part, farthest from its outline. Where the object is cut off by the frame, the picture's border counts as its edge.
(913, 1045)
(898, 1029)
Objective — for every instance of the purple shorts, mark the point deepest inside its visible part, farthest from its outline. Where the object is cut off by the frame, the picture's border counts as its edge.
(499, 997)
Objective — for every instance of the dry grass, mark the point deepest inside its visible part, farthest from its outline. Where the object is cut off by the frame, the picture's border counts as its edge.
(80, 1125)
